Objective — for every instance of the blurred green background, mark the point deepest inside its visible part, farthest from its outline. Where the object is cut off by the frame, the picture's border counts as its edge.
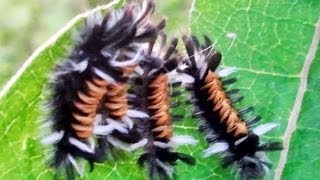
(25, 25)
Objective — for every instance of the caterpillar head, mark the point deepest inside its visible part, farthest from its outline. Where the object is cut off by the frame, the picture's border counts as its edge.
(252, 167)
(246, 153)
(200, 57)
(160, 56)
(161, 163)
(252, 164)
(250, 158)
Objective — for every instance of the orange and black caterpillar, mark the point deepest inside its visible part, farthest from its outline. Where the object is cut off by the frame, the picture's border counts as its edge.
(86, 105)
(223, 125)
(80, 114)
(151, 95)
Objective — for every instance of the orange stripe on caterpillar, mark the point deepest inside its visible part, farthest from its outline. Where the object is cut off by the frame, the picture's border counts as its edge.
(158, 101)
(116, 97)
(84, 120)
(163, 132)
(88, 103)
(228, 115)
(116, 100)
(82, 131)
(87, 99)
(94, 90)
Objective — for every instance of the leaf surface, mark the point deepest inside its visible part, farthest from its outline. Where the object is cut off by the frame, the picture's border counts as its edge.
(270, 48)
(273, 40)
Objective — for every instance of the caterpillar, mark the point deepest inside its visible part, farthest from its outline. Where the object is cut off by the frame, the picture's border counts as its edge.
(81, 109)
(86, 105)
(151, 95)
(223, 125)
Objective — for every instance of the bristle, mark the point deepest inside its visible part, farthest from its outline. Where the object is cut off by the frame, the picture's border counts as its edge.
(207, 41)
(264, 128)
(211, 137)
(171, 49)
(82, 146)
(177, 117)
(253, 120)
(115, 125)
(189, 45)
(233, 91)
(162, 24)
(105, 130)
(186, 159)
(229, 81)
(214, 61)
(127, 121)
(245, 110)
(53, 138)
(125, 146)
(174, 104)
(176, 141)
(236, 99)
(196, 42)
(104, 76)
(75, 165)
(270, 146)
(137, 114)
(226, 71)
(216, 148)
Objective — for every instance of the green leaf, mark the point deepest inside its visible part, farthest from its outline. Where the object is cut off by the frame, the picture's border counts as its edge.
(272, 45)
(272, 40)
(303, 161)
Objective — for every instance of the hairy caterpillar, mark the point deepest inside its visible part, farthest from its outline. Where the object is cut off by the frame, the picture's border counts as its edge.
(221, 123)
(151, 95)
(82, 111)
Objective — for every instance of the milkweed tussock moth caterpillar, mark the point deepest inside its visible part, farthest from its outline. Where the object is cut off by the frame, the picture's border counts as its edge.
(223, 126)
(83, 113)
(151, 94)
